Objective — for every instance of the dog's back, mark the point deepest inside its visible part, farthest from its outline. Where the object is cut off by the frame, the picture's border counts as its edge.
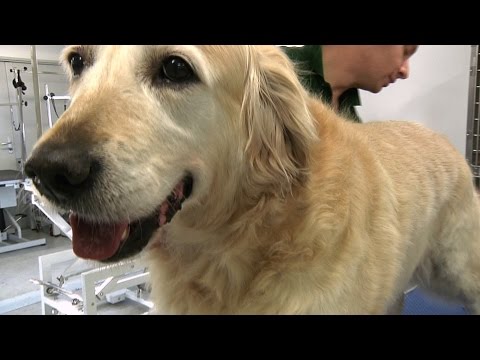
(415, 191)
(441, 215)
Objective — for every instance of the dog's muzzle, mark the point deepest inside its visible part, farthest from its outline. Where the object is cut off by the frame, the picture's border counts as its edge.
(67, 175)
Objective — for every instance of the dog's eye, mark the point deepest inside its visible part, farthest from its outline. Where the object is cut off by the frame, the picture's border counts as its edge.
(175, 69)
(77, 63)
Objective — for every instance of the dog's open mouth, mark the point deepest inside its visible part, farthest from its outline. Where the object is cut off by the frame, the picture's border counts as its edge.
(116, 241)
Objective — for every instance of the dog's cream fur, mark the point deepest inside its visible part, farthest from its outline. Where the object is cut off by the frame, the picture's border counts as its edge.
(294, 210)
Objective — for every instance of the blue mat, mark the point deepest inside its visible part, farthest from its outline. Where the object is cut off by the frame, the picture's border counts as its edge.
(418, 302)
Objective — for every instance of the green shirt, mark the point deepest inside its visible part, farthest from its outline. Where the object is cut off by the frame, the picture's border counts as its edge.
(309, 62)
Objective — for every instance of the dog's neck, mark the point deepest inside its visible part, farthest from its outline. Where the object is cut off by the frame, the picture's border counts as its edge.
(219, 245)
(216, 251)
(217, 268)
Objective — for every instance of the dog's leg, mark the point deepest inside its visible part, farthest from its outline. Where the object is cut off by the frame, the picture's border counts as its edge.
(397, 307)
(453, 264)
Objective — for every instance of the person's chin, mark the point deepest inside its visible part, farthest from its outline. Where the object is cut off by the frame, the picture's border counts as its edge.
(375, 88)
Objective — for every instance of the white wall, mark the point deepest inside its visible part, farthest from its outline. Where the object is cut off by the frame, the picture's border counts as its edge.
(44, 52)
(435, 94)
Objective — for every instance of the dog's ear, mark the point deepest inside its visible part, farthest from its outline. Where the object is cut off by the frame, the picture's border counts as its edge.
(279, 125)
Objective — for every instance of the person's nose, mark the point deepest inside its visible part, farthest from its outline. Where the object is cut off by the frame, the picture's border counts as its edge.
(404, 70)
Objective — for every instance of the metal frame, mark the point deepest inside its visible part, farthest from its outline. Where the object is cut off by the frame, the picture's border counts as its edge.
(36, 91)
(34, 62)
(50, 212)
(473, 115)
(11, 242)
(21, 124)
(82, 293)
(49, 99)
(19, 103)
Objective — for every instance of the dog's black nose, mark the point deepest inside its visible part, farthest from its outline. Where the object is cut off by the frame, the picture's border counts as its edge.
(61, 173)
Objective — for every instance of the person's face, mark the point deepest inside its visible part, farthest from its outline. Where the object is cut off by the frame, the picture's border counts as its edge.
(384, 64)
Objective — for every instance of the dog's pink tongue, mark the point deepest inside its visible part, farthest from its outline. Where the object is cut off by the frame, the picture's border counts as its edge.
(95, 241)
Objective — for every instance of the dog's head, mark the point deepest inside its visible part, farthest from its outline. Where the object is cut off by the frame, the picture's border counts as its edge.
(152, 129)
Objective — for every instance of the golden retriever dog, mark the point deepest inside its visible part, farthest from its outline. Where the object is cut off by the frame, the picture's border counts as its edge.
(248, 195)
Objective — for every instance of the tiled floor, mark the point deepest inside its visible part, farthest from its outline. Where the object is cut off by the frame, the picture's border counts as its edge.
(19, 266)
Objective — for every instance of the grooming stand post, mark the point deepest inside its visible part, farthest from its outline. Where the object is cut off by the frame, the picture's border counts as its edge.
(20, 87)
(59, 225)
(48, 98)
(80, 293)
(47, 209)
(9, 182)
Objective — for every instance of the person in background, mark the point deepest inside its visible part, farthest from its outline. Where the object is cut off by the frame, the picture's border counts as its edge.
(337, 72)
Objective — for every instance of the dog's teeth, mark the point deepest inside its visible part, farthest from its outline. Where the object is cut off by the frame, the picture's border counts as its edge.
(126, 233)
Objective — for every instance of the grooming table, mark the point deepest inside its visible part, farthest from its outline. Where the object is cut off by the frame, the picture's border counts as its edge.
(10, 180)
